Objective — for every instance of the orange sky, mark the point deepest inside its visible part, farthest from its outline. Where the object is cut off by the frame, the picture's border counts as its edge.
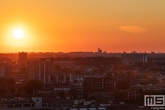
(80, 25)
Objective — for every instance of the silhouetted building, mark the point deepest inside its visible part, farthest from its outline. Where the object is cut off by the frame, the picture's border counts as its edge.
(22, 60)
(62, 78)
(99, 50)
(146, 80)
(41, 69)
(45, 69)
(101, 88)
(33, 69)
(6, 70)
(133, 57)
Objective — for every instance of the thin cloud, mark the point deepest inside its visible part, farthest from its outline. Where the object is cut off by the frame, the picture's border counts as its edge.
(132, 29)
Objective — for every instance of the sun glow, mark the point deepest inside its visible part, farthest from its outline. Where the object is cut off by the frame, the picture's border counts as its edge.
(18, 34)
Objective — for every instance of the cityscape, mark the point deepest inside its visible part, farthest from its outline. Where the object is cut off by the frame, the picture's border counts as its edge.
(81, 80)
(82, 55)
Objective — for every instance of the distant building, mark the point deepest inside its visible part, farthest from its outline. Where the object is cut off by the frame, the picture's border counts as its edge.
(129, 94)
(43, 69)
(62, 78)
(99, 50)
(6, 70)
(146, 80)
(33, 69)
(133, 57)
(101, 88)
(19, 103)
(22, 60)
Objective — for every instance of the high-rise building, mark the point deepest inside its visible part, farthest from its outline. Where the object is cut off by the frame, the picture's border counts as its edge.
(46, 69)
(22, 60)
(41, 69)
(133, 57)
(33, 69)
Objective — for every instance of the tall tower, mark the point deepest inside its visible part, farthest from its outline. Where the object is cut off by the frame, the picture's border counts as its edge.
(22, 60)
(45, 69)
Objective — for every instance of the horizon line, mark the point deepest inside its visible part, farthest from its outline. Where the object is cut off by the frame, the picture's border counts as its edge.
(83, 52)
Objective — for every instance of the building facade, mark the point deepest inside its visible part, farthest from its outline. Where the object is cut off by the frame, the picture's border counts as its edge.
(6, 70)
(102, 88)
(133, 57)
(43, 69)
(22, 60)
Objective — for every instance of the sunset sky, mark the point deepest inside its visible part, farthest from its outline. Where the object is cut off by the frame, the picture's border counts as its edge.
(83, 25)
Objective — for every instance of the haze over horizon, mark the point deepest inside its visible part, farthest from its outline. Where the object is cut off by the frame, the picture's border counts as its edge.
(78, 25)
(103, 51)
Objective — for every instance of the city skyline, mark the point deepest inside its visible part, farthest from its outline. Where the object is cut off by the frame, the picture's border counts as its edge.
(67, 26)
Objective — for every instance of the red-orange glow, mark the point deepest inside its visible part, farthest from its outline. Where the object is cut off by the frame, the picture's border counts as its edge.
(112, 25)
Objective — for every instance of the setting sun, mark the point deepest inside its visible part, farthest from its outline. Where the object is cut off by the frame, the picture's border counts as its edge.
(63, 25)
(18, 34)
